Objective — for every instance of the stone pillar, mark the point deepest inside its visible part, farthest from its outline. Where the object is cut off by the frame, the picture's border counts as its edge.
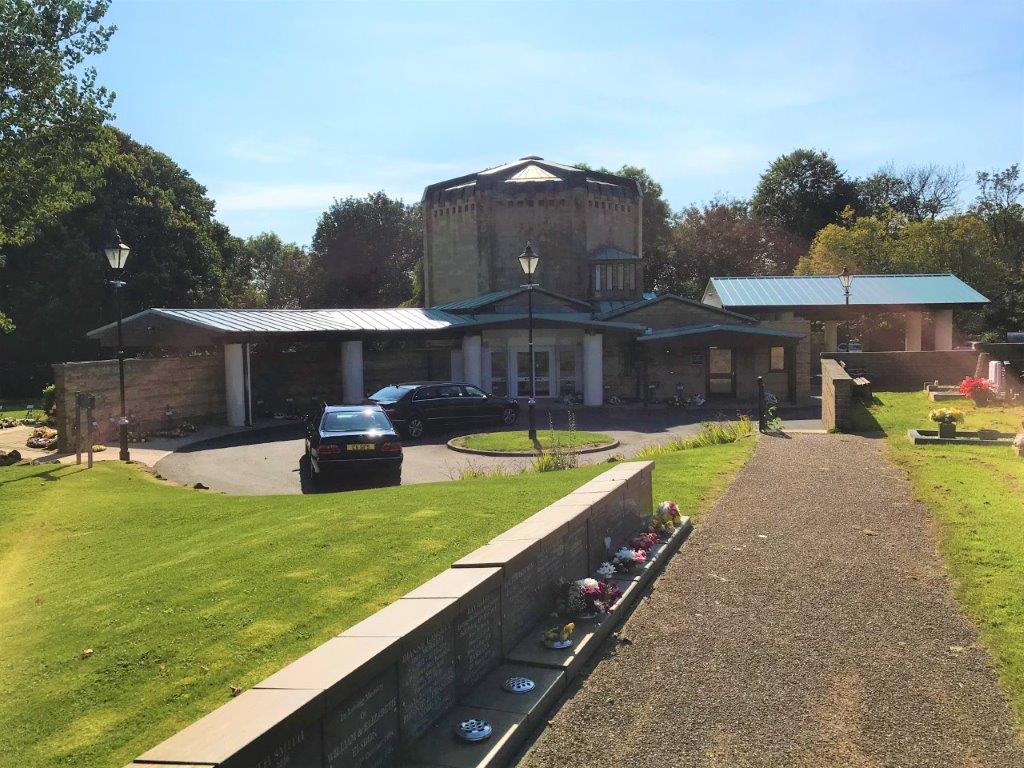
(593, 369)
(943, 329)
(912, 331)
(831, 336)
(352, 372)
(236, 384)
(472, 359)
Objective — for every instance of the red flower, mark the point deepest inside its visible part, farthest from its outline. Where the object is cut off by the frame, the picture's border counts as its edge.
(973, 385)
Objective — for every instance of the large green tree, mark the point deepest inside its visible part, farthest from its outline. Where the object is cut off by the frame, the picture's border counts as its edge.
(55, 287)
(52, 148)
(278, 274)
(999, 204)
(364, 252)
(916, 192)
(724, 238)
(802, 192)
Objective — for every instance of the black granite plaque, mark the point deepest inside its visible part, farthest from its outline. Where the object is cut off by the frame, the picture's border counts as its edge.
(477, 641)
(518, 602)
(426, 682)
(576, 553)
(294, 748)
(550, 572)
(362, 732)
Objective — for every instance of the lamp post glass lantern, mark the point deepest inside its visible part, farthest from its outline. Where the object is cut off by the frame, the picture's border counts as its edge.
(117, 256)
(846, 279)
(528, 260)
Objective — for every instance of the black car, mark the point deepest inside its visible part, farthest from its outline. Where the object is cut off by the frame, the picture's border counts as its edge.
(352, 439)
(419, 407)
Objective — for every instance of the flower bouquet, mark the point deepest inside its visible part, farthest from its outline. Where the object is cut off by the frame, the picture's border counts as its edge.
(977, 389)
(644, 542)
(598, 596)
(947, 419)
(1018, 444)
(558, 637)
(666, 519)
(627, 559)
(606, 571)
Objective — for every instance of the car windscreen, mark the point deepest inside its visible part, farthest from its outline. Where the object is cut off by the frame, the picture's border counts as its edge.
(355, 421)
(390, 394)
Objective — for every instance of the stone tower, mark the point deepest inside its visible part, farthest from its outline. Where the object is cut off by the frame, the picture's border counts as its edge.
(586, 226)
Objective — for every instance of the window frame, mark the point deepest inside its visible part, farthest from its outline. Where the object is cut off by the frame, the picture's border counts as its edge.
(771, 360)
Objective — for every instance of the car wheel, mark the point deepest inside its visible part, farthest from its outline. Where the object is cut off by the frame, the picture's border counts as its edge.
(509, 416)
(415, 427)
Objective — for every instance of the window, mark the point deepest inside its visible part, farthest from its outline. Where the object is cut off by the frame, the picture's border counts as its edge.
(631, 277)
(355, 421)
(778, 359)
(427, 393)
(449, 390)
(474, 391)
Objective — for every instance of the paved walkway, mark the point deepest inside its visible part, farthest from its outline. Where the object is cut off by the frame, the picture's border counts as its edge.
(808, 622)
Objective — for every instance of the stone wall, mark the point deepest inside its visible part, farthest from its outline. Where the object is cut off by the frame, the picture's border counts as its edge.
(192, 387)
(394, 686)
(909, 371)
(836, 396)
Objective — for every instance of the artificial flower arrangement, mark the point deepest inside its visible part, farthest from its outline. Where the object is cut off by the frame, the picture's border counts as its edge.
(606, 571)
(976, 388)
(627, 559)
(558, 637)
(666, 518)
(644, 542)
(598, 596)
(1018, 444)
(946, 416)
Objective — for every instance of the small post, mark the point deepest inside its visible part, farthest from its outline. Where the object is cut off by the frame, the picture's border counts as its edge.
(90, 402)
(762, 417)
(78, 427)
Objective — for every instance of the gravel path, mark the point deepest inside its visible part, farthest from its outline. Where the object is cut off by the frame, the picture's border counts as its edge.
(807, 622)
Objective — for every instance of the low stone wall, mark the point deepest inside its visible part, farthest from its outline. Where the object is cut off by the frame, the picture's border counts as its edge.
(394, 686)
(908, 371)
(836, 396)
(193, 388)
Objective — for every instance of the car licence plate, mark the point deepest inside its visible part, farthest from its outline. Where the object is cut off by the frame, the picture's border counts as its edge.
(361, 446)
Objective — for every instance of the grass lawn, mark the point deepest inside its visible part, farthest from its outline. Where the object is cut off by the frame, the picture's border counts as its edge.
(976, 494)
(183, 593)
(518, 441)
(18, 409)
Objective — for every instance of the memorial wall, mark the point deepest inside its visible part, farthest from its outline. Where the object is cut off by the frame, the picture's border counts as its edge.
(395, 689)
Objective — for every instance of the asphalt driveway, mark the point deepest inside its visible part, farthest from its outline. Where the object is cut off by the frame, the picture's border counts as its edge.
(271, 461)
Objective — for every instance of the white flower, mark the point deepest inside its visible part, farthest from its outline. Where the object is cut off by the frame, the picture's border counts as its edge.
(624, 554)
(589, 583)
(606, 570)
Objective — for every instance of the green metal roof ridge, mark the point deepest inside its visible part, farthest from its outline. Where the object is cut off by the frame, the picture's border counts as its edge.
(484, 299)
(568, 318)
(694, 330)
(641, 303)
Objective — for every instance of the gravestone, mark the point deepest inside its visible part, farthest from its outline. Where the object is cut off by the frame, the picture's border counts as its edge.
(426, 681)
(363, 731)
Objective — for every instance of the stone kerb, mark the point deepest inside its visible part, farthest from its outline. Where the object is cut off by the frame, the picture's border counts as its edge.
(391, 688)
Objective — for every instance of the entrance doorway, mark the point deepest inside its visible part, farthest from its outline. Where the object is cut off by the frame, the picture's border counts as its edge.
(721, 372)
(543, 371)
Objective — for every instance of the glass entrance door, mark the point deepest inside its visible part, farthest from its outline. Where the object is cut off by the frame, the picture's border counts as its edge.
(721, 372)
(542, 372)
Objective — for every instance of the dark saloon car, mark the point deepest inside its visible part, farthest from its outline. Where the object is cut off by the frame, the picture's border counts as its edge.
(417, 408)
(352, 440)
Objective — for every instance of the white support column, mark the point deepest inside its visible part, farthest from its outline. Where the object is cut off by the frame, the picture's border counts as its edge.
(943, 329)
(593, 369)
(352, 372)
(831, 336)
(912, 331)
(236, 387)
(472, 359)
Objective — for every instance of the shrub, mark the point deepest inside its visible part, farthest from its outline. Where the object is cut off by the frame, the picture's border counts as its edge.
(49, 398)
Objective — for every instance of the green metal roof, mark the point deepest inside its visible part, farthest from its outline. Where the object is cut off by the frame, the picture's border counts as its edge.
(827, 291)
(472, 303)
(612, 254)
(650, 299)
(706, 328)
(577, 319)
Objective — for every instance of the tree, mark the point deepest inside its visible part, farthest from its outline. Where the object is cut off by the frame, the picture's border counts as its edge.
(723, 238)
(364, 251)
(802, 192)
(55, 286)
(999, 206)
(52, 148)
(917, 192)
(278, 273)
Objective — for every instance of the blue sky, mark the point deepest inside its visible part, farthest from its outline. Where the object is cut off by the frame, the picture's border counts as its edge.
(277, 108)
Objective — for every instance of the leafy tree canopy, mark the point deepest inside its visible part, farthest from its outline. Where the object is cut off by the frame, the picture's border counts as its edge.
(802, 192)
(364, 252)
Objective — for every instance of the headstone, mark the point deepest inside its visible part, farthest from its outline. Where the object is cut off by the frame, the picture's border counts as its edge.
(426, 681)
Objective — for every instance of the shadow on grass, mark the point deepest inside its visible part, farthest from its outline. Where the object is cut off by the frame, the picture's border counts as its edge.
(50, 473)
(863, 421)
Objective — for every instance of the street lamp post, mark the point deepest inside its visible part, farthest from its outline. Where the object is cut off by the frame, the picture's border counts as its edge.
(846, 279)
(528, 261)
(117, 256)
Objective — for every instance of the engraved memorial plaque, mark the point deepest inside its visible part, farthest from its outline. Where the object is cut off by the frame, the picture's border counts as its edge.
(477, 641)
(426, 682)
(519, 609)
(550, 571)
(576, 553)
(299, 748)
(362, 732)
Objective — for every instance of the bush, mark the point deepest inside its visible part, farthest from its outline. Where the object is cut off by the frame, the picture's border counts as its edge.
(711, 433)
(49, 397)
